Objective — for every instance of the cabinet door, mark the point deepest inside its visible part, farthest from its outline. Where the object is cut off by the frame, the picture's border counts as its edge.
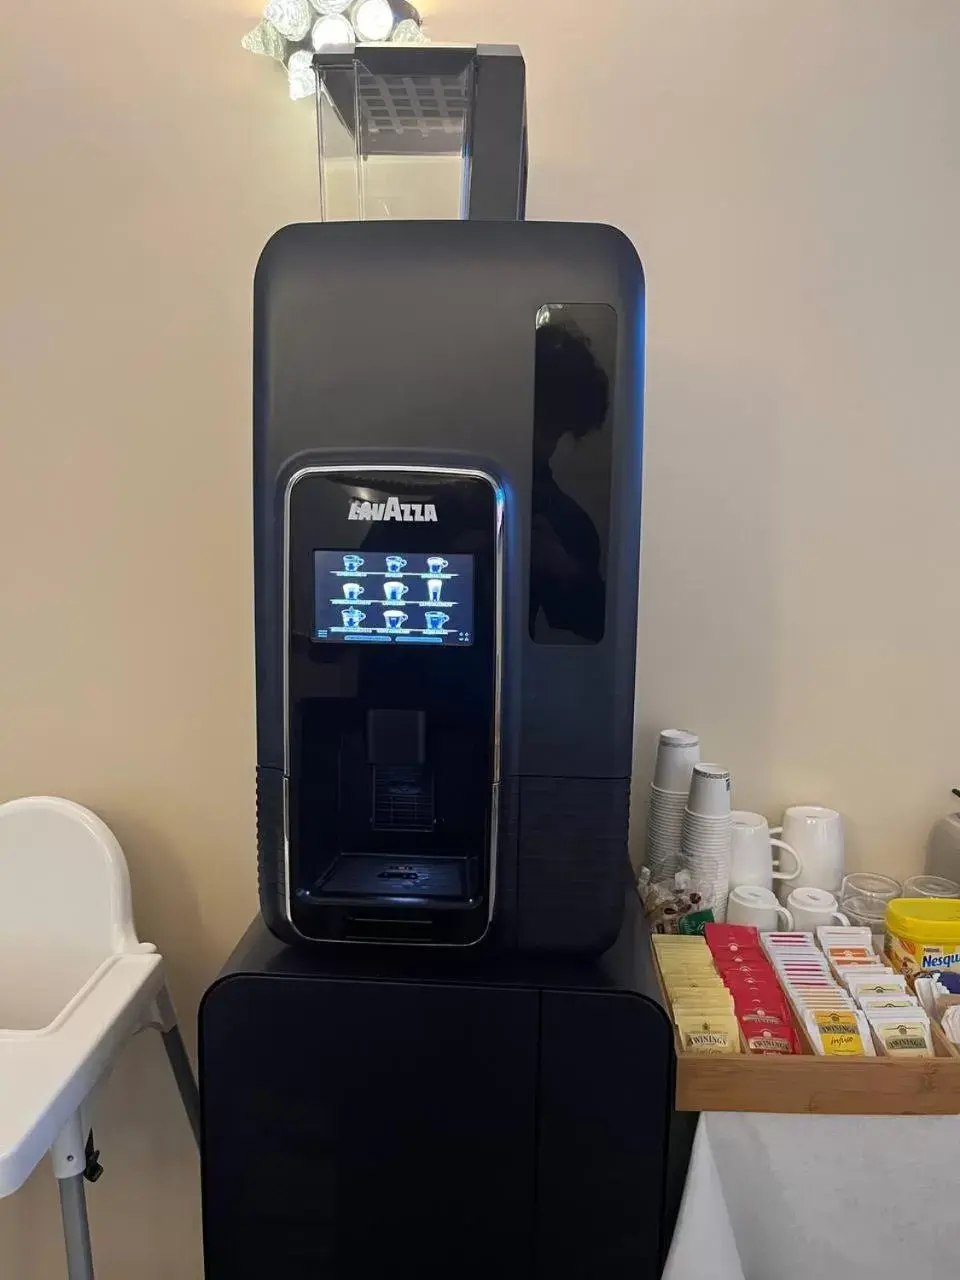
(358, 1129)
(605, 1099)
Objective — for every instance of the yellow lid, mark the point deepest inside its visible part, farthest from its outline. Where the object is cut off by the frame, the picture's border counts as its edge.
(931, 920)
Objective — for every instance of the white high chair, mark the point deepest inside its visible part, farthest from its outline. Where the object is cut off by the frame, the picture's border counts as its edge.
(75, 985)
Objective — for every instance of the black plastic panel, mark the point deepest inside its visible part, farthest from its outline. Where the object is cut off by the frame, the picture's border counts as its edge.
(363, 844)
(415, 342)
(573, 865)
(594, 1150)
(271, 853)
(575, 369)
(354, 1130)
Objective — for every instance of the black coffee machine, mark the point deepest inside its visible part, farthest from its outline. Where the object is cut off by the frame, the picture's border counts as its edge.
(447, 525)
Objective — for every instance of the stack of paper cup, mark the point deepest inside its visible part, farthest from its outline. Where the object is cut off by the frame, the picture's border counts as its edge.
(705, 835)
(677, 753)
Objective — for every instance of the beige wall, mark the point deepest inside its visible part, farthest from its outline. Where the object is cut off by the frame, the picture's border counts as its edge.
(789, 173)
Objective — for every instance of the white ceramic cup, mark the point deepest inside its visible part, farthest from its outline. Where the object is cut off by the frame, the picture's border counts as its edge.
(754, 905)
(816, 834)
(751, 852)
(678, 751)
(709, 791)
(812, 908)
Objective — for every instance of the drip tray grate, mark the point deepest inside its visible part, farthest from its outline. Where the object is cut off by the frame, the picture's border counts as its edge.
(361, 875)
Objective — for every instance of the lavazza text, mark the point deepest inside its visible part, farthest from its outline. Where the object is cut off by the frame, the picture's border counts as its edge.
(393, 509)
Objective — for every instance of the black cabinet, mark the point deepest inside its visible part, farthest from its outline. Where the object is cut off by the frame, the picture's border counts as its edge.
(443, 1117)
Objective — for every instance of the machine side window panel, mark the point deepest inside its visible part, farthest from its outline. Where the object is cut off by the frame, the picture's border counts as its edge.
(574, 374)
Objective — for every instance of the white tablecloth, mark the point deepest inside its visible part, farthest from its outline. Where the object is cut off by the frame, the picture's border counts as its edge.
(820, 1197)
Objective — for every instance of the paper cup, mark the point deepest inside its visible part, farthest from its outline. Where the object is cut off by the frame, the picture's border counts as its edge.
(678, 751)
(709, 791)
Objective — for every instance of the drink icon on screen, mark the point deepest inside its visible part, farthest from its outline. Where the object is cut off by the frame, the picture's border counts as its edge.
(396, 564)
(394, 619)
(434, 587)
(435, 620)
(352, 563)
(436, 564)
(352, 618)
(352, 590)
(395, 590)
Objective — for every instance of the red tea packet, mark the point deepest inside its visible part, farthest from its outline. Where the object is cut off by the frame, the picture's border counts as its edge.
(732, 937)
(769, 1037)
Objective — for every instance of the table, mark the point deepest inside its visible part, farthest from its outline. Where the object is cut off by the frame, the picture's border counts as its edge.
(807, 1197)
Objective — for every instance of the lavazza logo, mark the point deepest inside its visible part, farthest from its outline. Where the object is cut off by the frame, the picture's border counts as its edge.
(393, 509)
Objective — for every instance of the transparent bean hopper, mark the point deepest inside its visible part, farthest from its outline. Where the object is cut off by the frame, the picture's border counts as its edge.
(421, 131)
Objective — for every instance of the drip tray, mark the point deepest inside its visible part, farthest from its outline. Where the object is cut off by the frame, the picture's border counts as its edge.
(368, 875)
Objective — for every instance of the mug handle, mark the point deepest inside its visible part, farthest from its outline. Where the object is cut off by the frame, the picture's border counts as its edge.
(787, 918)
(838, 915)
(782, 844)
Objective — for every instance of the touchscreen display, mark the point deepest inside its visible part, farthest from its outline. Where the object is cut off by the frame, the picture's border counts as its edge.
(399, 597)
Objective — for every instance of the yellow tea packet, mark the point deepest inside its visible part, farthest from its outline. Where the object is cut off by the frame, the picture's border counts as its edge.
(709, 1033)
(695, 1000)
(903, 1035)
(839, 1033)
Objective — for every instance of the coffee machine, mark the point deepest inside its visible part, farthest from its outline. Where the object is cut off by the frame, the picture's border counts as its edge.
(447, 477)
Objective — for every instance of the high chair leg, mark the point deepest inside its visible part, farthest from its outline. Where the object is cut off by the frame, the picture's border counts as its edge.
(179, 1061)
(69, 1161)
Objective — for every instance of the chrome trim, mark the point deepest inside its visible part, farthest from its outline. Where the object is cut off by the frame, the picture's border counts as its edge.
(470, 473)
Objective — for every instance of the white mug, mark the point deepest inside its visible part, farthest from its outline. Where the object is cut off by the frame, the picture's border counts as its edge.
(812, 908)
(752, 904)
(816, 834)
(751, 852)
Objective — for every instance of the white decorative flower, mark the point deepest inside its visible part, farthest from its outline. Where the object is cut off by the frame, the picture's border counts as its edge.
(332, 30)
(373, 19)
(266, 40)
(292, 18)
(290, 32)
(301, 75)
(408, 32)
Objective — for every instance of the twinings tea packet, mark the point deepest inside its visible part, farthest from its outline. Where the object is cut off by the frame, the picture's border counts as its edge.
(898, 1000)
(840, 1033)
(664, 941)
(724, 937)
(693, 959)
(706, 977)
(712, 1034)
(876, 984)
(832, 936)
(862, 964)
(851, 955)
(685, 960)
(700, 1009)
(681, 993)
(903, 1034)
(769, 1037)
